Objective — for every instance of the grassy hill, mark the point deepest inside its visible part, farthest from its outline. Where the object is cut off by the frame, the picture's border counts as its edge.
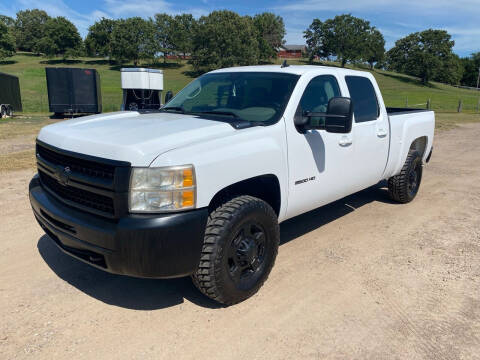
(396, 88)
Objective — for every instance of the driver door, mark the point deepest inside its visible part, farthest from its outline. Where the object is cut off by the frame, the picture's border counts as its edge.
(319, 162)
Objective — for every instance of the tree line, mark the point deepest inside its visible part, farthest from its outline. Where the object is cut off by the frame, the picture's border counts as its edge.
(220, 39)
(225, 38)
(427, 55)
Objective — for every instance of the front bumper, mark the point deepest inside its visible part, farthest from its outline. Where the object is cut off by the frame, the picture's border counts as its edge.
(153, 246)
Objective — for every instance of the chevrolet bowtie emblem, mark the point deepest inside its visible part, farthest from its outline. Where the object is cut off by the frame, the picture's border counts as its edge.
(63, 175)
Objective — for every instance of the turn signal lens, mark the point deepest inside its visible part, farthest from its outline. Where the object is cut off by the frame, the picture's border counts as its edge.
(187, 177)
(188, 198)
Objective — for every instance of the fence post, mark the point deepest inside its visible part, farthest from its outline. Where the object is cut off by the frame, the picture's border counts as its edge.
(429, 105)
(460, 105)
(406, 102)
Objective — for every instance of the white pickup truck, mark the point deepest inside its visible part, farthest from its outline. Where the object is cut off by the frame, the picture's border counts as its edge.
(200, 186)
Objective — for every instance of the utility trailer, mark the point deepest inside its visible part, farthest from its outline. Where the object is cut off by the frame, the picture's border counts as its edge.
(142, 88)
(10, 98)
(73, 91)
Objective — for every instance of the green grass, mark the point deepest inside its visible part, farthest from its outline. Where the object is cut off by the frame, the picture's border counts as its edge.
(396, 88)
(446, 121)
(33, 86)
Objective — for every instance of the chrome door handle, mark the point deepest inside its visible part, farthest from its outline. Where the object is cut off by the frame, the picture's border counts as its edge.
(345, 141)
(381, 133)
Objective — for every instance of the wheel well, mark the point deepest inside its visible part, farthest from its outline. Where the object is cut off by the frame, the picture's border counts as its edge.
(419, 144)
(265, 187)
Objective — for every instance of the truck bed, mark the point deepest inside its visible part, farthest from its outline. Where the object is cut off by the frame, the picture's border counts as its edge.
(406, 126)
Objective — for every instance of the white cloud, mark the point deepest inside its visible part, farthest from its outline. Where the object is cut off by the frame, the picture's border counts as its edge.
(393, 17)
(370, 6)
(59, 8)
(147, 8)
(107, 8)
(144, 8)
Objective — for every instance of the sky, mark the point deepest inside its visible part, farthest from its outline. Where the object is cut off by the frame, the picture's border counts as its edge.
(394, 18)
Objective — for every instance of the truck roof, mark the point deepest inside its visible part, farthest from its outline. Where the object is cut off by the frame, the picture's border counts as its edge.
(291, 69)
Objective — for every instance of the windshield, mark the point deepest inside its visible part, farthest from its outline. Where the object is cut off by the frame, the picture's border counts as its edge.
(252, 96)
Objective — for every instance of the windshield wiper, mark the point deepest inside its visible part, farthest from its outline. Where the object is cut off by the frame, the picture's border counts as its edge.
(238, 123)
(213, 112)
(174, 108)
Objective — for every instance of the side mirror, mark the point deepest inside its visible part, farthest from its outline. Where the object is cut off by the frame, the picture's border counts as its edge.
(338, 118)
(339, 115)
(168, 96)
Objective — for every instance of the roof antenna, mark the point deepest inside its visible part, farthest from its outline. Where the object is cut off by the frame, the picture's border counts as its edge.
(284, 64)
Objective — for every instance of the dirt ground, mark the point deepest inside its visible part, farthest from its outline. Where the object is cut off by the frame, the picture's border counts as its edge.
(361, 278)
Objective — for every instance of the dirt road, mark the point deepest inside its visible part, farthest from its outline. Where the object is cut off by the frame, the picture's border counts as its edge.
(361, 278)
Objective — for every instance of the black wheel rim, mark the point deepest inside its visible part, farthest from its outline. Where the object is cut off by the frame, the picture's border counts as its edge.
(246, 254)
(414, 177)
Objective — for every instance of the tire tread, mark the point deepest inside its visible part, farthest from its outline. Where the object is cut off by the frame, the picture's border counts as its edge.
(205, 278)
(398, 184)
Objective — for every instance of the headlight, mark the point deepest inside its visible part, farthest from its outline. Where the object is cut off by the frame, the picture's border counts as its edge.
(162, 189)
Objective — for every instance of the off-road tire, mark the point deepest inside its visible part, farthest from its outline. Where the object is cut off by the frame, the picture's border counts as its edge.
(213, 276)
(3, 112)
(398, 186)
(9, 111)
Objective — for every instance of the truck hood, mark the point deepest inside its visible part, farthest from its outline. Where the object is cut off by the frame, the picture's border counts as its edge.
(130, 136)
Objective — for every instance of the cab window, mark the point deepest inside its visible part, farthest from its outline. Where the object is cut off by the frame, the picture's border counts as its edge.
(364, 99)
(317, 95)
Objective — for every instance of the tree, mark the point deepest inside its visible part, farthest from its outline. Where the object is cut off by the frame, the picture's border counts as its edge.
(471, 69)
(271, 31)
(7, 20)
(223, 39)
(451, 71)
(422, 54)
(29, 28)
(61, 37)
(7, 44)
(374, 51)
(164, 34)
(181, 33)
(133, 39)
(99, 39)
(7, 37)
(344, 36)
(316, 36)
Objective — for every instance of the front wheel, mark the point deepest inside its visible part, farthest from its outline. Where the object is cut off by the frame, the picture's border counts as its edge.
(404, 186)
(240, 246)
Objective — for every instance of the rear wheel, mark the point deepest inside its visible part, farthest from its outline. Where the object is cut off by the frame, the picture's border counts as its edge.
(9, 111)
(239, 250)
(404, 186)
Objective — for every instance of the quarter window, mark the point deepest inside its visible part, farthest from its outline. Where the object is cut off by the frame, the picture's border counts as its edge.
(364, 98)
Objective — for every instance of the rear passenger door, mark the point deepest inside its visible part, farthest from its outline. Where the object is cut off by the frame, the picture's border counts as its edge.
(370, 132)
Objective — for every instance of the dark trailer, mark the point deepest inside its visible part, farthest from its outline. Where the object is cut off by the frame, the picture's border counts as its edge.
(73, 90)
(10, 98)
